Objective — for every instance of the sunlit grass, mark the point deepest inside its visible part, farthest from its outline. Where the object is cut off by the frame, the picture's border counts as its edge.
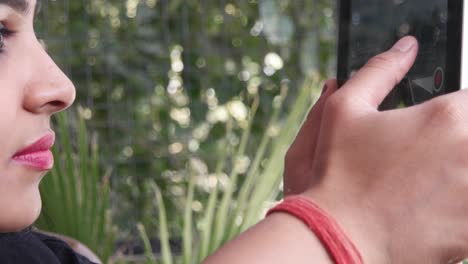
(230, 210)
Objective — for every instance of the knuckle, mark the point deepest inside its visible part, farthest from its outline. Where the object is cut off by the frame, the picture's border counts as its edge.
(332, 107)
(333, 104)
(337, 107)
(444, 111)
(388, 65)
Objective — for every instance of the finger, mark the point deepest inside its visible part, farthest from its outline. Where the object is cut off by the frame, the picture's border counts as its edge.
(309, 131)
(382, 73)
(301, 152)
(310, 128)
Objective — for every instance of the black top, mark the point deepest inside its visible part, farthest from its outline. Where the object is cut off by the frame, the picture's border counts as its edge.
(30, 247)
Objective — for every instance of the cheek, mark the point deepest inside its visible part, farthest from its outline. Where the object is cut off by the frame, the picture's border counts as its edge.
(19, 196)
(10, 121)
(20, 201)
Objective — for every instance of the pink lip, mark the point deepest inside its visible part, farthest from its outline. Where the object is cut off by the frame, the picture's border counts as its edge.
(38, 154)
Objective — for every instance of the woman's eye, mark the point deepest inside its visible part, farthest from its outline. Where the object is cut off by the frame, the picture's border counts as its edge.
(4, 34)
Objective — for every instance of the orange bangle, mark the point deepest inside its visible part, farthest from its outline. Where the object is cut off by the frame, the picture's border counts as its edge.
(339, 247)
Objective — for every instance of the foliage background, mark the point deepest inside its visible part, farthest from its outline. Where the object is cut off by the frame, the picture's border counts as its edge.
(163, 82)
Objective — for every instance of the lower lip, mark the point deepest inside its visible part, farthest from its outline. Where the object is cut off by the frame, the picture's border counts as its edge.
(40, 160)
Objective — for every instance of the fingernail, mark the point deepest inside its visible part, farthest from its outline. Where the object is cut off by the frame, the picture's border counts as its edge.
(324, 89)
(404, 45)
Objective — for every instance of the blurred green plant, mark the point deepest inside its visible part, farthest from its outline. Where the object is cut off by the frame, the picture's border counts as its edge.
(159, 76)
(231, 210)
(76, 193)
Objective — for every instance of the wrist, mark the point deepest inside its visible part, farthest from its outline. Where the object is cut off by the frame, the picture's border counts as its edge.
(382, 234)
(362, 227)
(332, 237)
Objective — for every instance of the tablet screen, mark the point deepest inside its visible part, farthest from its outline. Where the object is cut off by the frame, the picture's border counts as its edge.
(374, 26)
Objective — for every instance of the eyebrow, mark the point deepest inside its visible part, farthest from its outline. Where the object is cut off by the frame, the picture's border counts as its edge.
(21, 6)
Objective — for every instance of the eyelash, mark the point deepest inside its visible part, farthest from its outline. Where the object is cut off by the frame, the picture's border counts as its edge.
(4, 34)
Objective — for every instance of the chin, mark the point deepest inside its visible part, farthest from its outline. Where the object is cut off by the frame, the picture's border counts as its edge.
(20, 215)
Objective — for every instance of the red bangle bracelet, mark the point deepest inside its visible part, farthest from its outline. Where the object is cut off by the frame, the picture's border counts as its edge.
(340, 248)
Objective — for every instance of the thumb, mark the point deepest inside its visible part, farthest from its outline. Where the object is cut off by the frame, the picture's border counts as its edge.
(382, 73)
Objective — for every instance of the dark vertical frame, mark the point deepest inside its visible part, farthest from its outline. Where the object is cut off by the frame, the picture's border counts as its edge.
(454, 45)
(344, 9)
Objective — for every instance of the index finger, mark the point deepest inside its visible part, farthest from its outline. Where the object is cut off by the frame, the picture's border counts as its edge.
(382, 73)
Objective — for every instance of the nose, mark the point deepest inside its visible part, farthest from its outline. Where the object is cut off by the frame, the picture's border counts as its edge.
(48, 90)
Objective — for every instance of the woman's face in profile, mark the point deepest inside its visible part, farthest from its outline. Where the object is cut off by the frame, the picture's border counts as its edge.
(32, 89)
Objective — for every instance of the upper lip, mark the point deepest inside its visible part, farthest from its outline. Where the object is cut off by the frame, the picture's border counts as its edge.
(44, 143)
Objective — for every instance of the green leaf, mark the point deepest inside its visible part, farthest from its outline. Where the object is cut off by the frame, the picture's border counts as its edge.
(163, 228)
(76, 195)
(146, 243)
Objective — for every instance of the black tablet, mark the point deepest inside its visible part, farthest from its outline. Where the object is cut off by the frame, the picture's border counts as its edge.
(369, 27)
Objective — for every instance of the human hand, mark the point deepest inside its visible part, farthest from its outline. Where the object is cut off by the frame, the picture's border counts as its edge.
(301, 154)
(397, 180)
